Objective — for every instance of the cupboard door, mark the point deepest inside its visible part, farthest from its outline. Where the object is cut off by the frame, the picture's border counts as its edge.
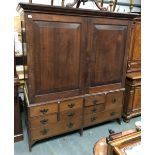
(108, 40)
(57, 54)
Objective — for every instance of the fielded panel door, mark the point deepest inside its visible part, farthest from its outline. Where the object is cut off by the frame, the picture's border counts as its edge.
(108, 52)
(56, 47)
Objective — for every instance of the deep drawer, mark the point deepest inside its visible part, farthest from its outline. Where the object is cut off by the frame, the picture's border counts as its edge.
(71, 104)
(55, 129)
(94, 99)
(41, 121)
(102, 116)
(43, 109)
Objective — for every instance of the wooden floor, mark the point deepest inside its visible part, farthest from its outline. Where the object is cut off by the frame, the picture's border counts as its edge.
(72, 144)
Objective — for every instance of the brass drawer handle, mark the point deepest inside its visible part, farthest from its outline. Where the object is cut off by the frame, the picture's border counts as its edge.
(113, 113)
(113, 100)
(44, 111)
(70, 125)
(94, 110)
(71, 105)
(44, 121)
(95, 101)
(71, 114)
(93, 119)
(44, 131)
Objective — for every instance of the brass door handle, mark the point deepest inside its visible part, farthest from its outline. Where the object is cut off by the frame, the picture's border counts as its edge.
(44, 121)
(94, 110)
(44, 111)
(94, 101)
(113, 113)
(71, 105)
(93, 119)
(44, 131)
(70, 125)
(113, 100)
(71, 114)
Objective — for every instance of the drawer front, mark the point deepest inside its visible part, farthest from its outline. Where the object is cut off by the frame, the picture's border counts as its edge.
(41, 133)
(94, 109)
(94, 99)
(72, 114)
(55, 129)
(114, 100)
(102, 116)
(41, 121)
(72, 124)
(71, 104)
(43, 109)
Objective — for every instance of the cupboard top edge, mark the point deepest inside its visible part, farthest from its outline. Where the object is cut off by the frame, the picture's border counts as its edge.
(41, 8)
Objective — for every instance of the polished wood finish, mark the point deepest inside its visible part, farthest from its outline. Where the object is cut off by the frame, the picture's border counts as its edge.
(76, 62)
(134, 56)
(102, 147)
(132, 106)
(118, 144)
(43, 109)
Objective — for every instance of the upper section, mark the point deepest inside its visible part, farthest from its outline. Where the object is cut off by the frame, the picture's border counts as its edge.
(40, 8)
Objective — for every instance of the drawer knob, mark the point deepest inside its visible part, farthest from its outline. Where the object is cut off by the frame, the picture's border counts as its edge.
(113, 100)
(44, 131)
(44, 121)
(71, 114)
(71, 105)
(93, 119)
(112, 114)
(95, 101)
(44, 111)
(94, 110)
(70, 125)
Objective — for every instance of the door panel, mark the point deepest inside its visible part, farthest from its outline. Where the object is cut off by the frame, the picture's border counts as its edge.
(58, 56)
(108, 53)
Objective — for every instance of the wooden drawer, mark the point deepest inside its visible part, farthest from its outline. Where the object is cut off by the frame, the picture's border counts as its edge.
(94, 109)
(72, 114)
(71, 124)
(102, 116)
(41, 132)
(71, 104)
(43, 109)
(94, 99)
(41, 121)
(114, 100)
(55, 129)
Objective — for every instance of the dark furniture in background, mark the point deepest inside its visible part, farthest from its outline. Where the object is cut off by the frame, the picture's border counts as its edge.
(132, 104)
(18, 133)
(76, 67)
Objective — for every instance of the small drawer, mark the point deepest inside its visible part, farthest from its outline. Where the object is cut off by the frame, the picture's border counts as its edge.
(94, 99)
(71, 104)
(40, 121)
(114, 100)
(72, 114)
(43, 109)
(94, 109)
